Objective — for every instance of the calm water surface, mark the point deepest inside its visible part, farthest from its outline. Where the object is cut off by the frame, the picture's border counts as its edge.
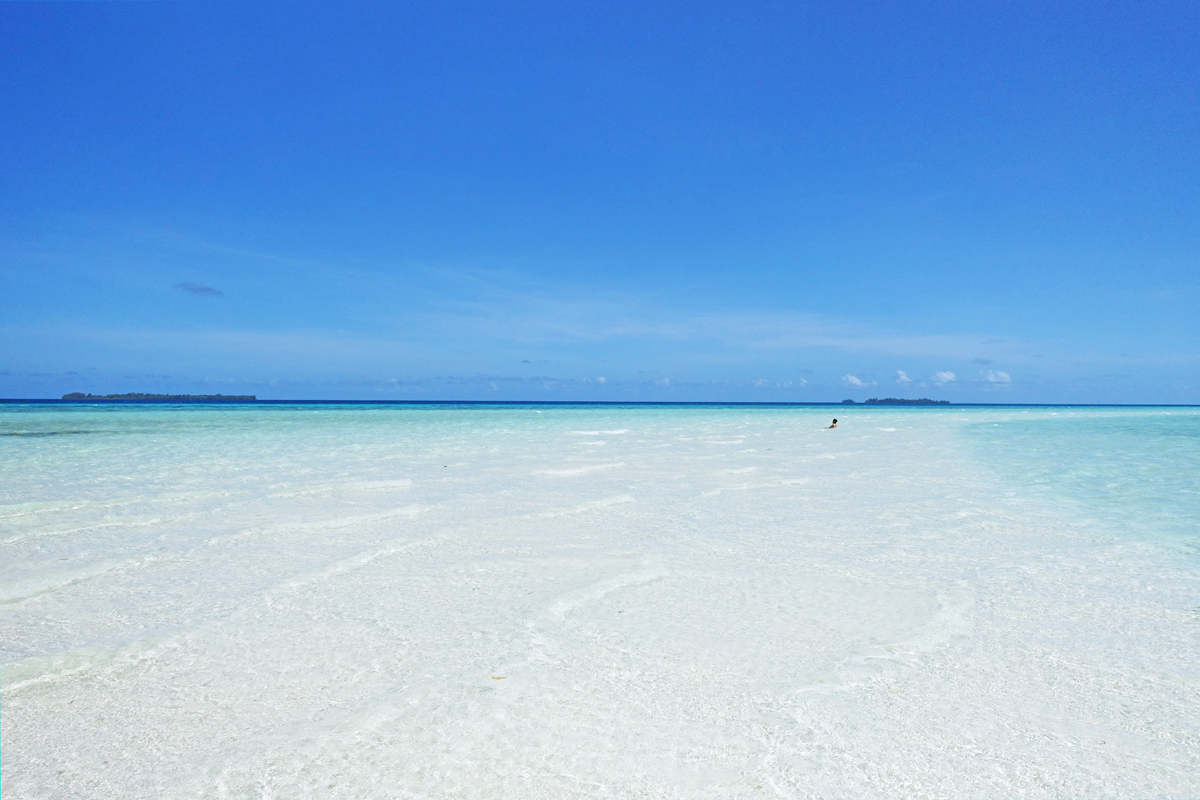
(407, 601)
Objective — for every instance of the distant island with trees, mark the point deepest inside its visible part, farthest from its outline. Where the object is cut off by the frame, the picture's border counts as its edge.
(896, 401)
(138, 397)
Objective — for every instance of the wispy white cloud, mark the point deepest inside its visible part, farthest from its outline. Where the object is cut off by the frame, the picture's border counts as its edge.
(996, 376)
(505, 307)
(789, 332)
(470, 309)
(418, 320)
(942, 378)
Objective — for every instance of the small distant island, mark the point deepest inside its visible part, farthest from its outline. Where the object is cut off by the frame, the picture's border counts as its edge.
(138, 397)
(897, 401)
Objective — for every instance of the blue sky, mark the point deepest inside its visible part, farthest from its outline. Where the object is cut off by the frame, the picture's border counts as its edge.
(777, 201)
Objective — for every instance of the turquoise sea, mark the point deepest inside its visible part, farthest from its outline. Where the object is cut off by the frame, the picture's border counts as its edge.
(599, 601)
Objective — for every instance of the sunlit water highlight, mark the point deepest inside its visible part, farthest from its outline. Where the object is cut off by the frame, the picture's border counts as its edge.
(557, 602)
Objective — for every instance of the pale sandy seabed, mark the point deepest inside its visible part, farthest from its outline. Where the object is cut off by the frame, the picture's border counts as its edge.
(598, 602)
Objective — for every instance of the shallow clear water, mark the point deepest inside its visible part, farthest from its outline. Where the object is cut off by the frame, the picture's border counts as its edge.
(296, 601)
(1134, 472)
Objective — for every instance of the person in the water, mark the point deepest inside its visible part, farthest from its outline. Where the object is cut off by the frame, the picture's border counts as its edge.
(834, 425)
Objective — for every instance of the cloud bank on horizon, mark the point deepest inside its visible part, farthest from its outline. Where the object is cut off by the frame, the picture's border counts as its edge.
(656, 201)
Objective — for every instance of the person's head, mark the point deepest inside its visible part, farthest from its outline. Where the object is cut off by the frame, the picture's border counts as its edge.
(835, 422)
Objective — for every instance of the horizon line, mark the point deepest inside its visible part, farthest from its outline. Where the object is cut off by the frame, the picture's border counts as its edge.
(834, 403)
